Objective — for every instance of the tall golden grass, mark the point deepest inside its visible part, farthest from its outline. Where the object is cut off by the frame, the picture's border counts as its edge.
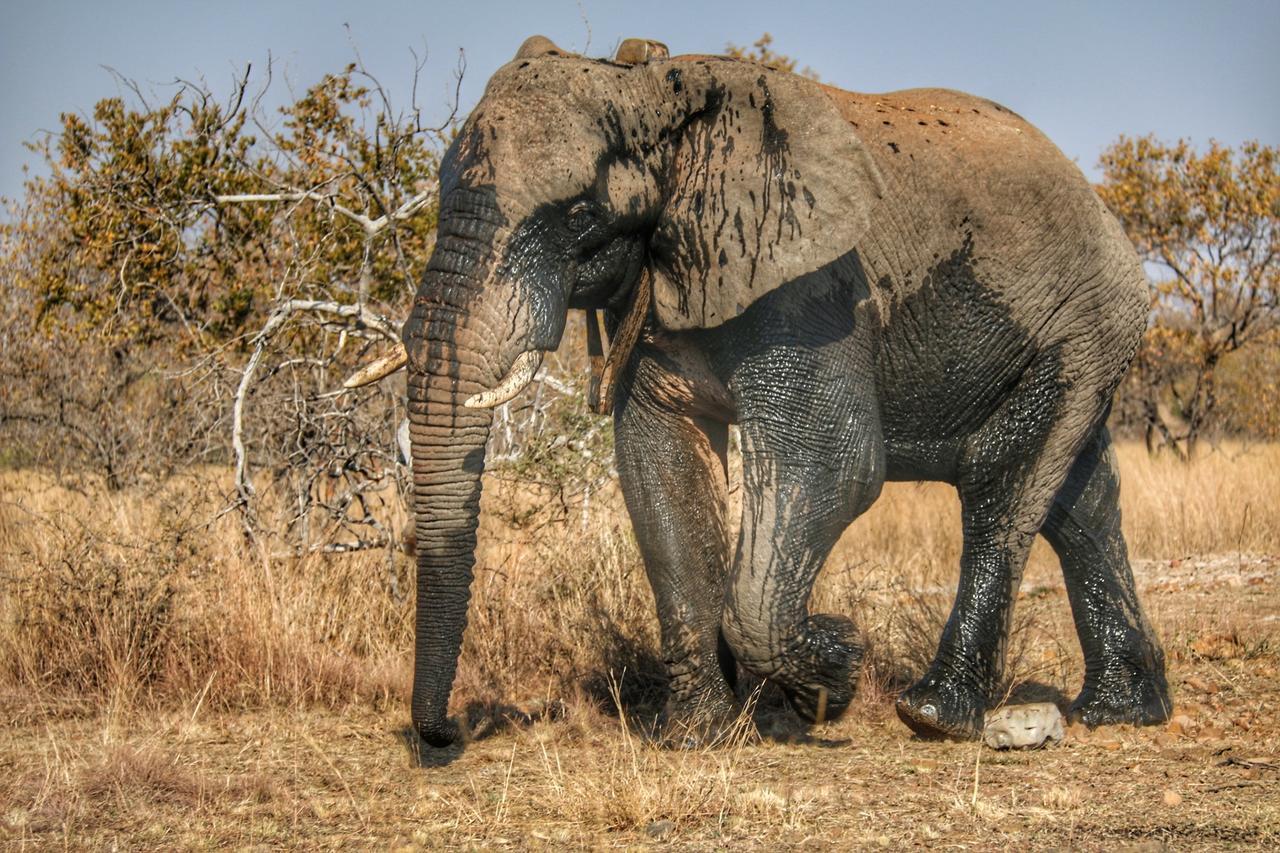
(113, 601)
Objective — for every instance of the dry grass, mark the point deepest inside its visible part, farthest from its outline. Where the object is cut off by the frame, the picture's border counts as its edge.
(163, 685)
(129, 600)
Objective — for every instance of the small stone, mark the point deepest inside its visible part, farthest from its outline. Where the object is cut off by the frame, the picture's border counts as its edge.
(1172, 798)
(1180, 725)
(659, 828)
(1209, 734)
(1023, 726)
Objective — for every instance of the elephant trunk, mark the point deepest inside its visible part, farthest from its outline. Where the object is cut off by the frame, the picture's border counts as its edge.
(448, 445)
(466, 354)
(454, 355)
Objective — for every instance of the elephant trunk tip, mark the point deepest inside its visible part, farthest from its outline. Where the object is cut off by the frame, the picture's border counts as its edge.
(438, 733)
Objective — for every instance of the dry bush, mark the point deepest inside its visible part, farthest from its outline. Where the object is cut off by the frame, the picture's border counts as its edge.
(133, 597)
(560, 606)
(81, 405)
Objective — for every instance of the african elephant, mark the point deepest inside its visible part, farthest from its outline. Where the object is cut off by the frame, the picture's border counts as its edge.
(908, 286)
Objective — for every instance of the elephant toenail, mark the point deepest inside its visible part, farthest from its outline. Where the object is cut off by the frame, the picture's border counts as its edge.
(929, 712)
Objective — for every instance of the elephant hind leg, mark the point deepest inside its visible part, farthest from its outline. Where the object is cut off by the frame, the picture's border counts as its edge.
(1124, 679)
(1009, 472)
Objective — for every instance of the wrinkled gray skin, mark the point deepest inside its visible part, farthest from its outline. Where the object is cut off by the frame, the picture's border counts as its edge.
(908, 286)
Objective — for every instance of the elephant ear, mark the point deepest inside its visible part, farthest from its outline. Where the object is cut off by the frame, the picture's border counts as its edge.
(767, 182)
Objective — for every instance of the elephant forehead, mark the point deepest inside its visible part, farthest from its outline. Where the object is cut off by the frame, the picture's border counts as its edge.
(548, 129)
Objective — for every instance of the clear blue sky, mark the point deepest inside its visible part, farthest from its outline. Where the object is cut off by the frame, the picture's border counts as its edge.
(1084, 72)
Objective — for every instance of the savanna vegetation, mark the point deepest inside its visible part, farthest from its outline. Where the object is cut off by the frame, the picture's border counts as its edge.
(1206, 223)
(205, 611)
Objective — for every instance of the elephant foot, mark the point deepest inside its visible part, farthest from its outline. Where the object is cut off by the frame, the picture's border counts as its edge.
(1135, 698)
(936, 708)
(704, 721)
(821, 672)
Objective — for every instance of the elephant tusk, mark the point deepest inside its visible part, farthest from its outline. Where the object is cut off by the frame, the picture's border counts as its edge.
(521, 374)
(379, 368)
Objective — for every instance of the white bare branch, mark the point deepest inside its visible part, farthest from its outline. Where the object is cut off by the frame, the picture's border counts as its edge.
(371, 227)
(357, 315)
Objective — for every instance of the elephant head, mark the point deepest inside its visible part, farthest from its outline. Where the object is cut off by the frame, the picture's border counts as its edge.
(718, 180)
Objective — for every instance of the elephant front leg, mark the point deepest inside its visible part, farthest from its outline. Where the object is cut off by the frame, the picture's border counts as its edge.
(804, 481)
(673, 478)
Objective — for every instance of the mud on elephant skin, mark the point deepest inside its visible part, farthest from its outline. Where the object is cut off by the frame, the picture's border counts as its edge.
(904, 286)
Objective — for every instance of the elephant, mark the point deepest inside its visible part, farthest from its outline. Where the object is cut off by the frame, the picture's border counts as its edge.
(915, 285)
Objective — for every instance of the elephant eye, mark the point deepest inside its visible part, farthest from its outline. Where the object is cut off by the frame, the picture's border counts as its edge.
(581, 217)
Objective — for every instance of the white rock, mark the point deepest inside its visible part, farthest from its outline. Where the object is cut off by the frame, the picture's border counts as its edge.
(1023, 726)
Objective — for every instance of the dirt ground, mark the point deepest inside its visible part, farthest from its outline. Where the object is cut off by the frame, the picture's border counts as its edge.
(570, 776)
